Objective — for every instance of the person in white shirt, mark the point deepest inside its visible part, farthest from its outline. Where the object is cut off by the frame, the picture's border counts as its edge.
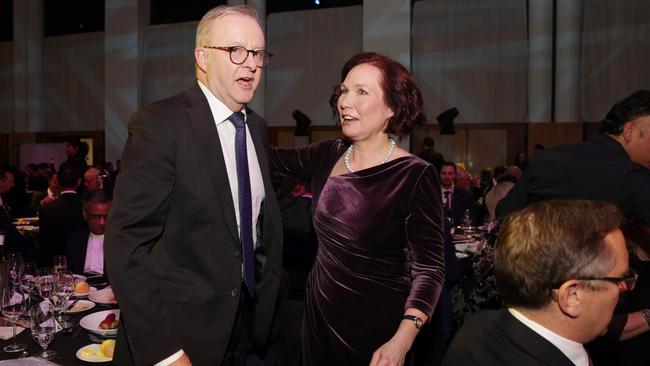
(85, 247)
(560, 267)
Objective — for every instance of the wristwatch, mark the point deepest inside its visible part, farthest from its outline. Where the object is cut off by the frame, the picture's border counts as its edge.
(418, 322)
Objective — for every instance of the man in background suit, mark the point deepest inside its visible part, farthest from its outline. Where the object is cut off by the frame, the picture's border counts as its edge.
(85, 247)
(560, 266)
(13, 240)
(61, 217)
(611, 166)
(193, 201)
(455, 200)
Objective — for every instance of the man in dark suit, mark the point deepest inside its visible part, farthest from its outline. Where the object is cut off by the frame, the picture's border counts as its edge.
(61, 217)
(611, 166)
(455, 200)
(193, 242)
(560, 266)
(85, 247)
(13, 240)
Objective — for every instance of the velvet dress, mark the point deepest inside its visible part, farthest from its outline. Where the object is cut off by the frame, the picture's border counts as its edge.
(380, 250)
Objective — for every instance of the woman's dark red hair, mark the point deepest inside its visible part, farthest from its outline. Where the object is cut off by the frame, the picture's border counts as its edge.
(401, 94)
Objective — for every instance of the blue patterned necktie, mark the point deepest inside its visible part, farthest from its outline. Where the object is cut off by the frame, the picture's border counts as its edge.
(245, 206)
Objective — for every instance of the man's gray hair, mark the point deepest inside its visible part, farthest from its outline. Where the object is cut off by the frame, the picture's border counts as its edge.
(203, 28)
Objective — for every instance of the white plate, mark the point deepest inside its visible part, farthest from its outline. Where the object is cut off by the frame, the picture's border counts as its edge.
(91, 353)
(104, 296)
(91, 322)
(85, 294)
(80, 307)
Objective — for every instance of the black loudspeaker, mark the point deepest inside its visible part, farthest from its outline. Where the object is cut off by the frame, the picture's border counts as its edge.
(446, 121)
(302, 123)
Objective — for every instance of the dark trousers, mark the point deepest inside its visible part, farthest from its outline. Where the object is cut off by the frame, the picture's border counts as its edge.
(241, 350)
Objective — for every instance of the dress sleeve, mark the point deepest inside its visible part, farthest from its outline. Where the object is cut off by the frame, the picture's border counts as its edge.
(301, 162)
(425, 243)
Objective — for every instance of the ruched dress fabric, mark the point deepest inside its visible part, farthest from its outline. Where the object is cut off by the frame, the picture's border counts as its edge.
(380, 250)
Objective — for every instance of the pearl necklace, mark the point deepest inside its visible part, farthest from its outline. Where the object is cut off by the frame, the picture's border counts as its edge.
(348, 152)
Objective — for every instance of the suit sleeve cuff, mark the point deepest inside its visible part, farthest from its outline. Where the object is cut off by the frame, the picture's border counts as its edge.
(170, 359)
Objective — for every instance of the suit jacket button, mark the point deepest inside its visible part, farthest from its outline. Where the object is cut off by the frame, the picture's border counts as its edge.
(233, 293)
(236, 253)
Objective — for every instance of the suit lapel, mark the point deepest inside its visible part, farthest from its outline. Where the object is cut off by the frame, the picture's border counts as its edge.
(534, 344)
(205, 130)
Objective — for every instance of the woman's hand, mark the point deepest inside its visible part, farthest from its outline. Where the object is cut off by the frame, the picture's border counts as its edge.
(392, 353)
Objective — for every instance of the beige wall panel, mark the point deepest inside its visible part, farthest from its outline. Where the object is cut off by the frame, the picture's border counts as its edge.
(553, 134)
(487, 148)
(320, 135)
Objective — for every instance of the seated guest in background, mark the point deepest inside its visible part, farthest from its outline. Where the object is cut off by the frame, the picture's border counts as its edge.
(505, 184)
(454, 200)
(85, 246)
(13, 239)
(462, 178)
(40, 199)
(61, 217)
(93, 179)
(521, 160)
(560, 266)
(612, 166)
(537, 149)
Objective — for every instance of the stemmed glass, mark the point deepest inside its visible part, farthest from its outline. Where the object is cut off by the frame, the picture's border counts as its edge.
(43, 327)
(64, 284)
(28, 280)
(60, 264)
(15, 268)
(13, 305)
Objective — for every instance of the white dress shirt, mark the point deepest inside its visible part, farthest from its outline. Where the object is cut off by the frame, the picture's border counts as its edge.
(227, 133)
(573, 350)
(95, 254)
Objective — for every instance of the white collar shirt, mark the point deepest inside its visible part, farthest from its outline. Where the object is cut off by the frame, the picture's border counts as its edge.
(94, 254)
(573, 350)
(227, 131)
(443, 190)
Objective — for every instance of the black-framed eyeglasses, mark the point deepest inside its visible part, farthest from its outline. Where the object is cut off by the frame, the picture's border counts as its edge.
(239, 55)
(625, 283)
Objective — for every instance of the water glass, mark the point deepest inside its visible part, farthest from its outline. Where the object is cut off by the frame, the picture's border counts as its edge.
(64, 284)
(13, 306)
(59, 264)
(43, 328)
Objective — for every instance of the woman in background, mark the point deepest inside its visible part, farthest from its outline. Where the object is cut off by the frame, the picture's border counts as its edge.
(377, 213)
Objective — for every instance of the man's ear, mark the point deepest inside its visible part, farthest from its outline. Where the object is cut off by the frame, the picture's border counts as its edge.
(201, 58)
(628, 129)
(570, 298)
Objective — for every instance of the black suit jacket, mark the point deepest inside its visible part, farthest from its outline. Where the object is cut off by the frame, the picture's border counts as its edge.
(596, 169)
(172, 248)
(57, 220)
(75, 250)
(495, 337)
(461, 200)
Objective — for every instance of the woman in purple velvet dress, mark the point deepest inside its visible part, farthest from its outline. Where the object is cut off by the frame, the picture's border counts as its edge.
(377, 213)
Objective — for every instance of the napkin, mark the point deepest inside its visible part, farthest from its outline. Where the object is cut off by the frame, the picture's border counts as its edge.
(8, 332)
(28, 361)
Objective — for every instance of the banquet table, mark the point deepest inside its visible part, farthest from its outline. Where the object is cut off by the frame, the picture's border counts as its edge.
(66, 343)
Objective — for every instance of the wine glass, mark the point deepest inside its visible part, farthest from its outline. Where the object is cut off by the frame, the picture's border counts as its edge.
(59, 264)
(43, 327)
(15, 268)
(64, 284)
(13, 305)
(28, 280)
